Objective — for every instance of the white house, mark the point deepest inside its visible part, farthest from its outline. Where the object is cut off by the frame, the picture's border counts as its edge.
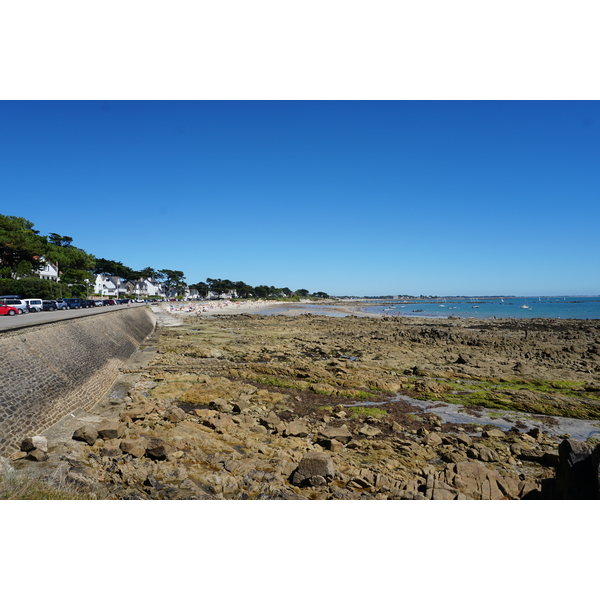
(228, 296)
(48, 271)
(108, 285)
(191, 294)
(154, 288)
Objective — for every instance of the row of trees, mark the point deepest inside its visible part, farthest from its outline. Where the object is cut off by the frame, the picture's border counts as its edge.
(23, 251)
(243, 290)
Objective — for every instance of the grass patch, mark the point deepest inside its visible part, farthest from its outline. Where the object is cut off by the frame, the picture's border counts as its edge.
(276, 382)
(366, 411)
(16, 487)
(303, 385)
(574, 389)
(560, 398)
(556, 397)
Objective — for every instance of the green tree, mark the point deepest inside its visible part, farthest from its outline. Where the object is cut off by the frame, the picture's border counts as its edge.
(202, 288)
(75, 265)
(21, 247)
(174, 281)
(262, 291)
(104, 266)
(243, 290)
(60, 240)
(148, 273)
(116, 269)
(220, 286)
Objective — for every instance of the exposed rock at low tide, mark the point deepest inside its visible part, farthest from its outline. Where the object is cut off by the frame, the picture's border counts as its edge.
(302, 408)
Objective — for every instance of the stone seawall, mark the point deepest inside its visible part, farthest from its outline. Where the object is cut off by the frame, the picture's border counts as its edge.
(49, 370)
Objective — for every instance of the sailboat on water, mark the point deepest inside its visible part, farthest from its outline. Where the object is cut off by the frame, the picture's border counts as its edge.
(525, 305)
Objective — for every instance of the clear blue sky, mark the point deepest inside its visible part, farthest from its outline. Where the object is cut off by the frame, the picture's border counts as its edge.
(346, 197)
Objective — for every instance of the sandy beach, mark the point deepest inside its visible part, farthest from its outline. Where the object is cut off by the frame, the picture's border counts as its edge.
(267, 307)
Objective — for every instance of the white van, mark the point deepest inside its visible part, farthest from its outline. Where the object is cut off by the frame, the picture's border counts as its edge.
(34, 304)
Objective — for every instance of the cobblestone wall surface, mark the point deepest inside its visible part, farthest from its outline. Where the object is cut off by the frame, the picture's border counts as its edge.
(51, 370)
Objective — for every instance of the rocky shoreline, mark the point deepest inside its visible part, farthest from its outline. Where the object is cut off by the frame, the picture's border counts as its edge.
(306, 407)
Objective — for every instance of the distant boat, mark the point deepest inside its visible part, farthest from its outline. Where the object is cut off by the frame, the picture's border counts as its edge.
(475, 306)
(525, 305)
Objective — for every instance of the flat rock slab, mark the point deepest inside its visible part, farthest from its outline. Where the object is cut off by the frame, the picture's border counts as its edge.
(341, 434)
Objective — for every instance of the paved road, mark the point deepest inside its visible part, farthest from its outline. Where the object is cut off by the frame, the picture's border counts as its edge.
(19, 321)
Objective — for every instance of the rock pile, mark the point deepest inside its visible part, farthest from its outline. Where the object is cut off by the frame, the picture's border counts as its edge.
(165, 448)
(33, 448)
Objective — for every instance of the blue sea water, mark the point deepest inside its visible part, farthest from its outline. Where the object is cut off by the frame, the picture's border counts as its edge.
(538, 307)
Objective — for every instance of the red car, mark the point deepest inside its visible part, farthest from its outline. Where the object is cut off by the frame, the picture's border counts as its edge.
(5, 309)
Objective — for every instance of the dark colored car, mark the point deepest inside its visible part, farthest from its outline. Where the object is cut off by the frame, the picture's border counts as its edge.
(5, 309)
(49, 305)
(88, 304)
(73, 302)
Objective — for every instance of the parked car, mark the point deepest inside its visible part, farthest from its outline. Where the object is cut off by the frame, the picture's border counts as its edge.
(34, 304)
(98, 302)
(20, 305)
(88, 304)
(73, 302)
(5, 309)
(62, 304)
(49, 305)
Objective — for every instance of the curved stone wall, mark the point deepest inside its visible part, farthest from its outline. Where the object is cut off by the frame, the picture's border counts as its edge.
(48, 371)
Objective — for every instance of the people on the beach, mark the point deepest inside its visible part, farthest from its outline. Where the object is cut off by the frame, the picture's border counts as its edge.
(214, 305)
